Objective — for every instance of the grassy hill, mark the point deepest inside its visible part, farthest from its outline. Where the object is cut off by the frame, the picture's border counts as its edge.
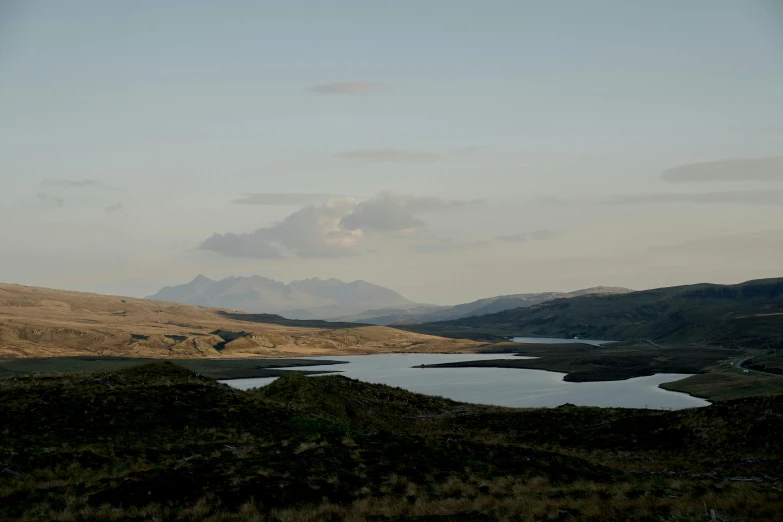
(159, 442)
(748, 315)
(431, 313)
(42, 322)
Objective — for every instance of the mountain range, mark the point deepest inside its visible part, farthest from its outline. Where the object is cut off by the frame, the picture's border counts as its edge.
(306, 299)
(332, 299)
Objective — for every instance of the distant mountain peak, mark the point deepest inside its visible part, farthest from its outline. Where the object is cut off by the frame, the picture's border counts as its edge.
(312, 298)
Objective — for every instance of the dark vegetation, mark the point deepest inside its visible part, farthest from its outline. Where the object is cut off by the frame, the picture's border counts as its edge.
(727, 383)
(748, 315)
(159, 442)
(213, 368)
(768, 363)
(282, 321)
(610, 362)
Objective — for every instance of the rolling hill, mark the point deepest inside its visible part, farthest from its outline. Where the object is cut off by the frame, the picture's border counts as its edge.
(749, 314)
(489, 305)
(41, 322)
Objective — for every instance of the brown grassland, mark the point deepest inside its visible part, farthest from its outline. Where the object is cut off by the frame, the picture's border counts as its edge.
(40, 322)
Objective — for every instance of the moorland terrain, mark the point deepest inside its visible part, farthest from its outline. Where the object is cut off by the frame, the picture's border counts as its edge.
(41, 322)
(159, 442)
(44, 330)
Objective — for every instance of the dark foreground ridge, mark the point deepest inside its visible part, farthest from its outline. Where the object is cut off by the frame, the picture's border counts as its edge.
(219, 369)
(159, 442)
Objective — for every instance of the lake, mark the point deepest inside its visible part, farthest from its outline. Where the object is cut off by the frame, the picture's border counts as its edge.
(513, 387)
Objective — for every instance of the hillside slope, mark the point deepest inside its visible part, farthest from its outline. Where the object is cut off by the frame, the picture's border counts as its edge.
(40, 322)
(489, 305)
(748, 314)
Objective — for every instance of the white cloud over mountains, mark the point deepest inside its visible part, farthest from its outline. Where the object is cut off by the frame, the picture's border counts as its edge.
(334, 229)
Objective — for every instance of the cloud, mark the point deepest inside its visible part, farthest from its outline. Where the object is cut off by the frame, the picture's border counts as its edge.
(452, 245)
(525, 237)
(333, 229)
(313, 231)
(113, 208)
(391, 212)
(390, 155)
(747, 197)
(448, 245)
(290, 198)
(67, 183)
(48, 198)
(350, 88)
(743, 169)
(749, 245)
(241, 245)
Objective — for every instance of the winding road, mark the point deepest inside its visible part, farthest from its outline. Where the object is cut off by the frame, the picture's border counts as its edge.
(739, 365)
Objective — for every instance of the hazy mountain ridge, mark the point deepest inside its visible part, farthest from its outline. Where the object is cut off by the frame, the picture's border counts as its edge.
(305, 299)
(488, 305)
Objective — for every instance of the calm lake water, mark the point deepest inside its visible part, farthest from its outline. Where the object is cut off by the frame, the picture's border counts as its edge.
(498, 386)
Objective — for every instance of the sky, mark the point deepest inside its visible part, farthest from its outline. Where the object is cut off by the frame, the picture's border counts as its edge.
(449, 150)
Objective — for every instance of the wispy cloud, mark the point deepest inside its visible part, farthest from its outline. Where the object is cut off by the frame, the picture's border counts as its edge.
(763, 243)
(69, 183)
(113, 208)
(48, 198)
(241, 245)
(471, 149)
(350, 88)
(525, 237)
(284, 198)
(742, 169)
(740, 197)
(439, 245)
(390, 155)
(392, 212)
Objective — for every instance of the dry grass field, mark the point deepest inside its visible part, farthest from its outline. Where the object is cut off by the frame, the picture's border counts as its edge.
(40, 322)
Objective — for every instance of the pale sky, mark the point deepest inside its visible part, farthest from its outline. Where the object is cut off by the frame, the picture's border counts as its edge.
(447, 149)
